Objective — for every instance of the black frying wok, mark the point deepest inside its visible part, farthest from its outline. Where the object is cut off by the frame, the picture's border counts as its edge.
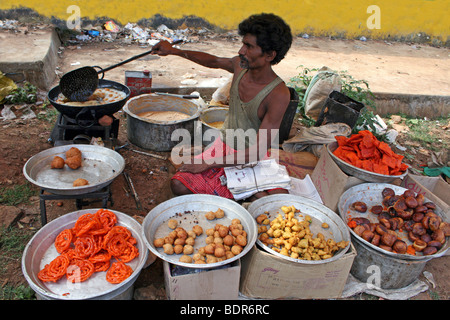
(89, 114)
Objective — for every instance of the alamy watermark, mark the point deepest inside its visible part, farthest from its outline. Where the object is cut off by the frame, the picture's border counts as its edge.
(234, 139)
(374, 20)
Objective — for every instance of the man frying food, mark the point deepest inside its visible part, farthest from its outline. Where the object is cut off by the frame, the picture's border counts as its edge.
(258, 101)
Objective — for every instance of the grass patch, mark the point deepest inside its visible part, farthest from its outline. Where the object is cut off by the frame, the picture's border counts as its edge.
(426, 133)
(16, 195)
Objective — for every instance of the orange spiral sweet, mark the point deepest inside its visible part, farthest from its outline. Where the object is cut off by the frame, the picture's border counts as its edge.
(118, 272)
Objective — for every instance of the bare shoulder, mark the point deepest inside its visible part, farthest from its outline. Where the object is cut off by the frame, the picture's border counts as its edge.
(280, 95)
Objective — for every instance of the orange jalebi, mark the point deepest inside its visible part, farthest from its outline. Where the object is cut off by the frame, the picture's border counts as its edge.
(86, 246)
(118, 272)
(120, 243)
(89, 247)
(55, 269)
(63, 240)
(79, 270)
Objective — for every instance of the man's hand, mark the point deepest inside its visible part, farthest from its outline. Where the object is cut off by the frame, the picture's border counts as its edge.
(163, 48)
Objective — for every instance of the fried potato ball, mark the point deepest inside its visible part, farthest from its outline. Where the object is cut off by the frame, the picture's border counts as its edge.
(236, 249)
(199, 261)
(219, 214)
(73, 152)
(190, 241)
(186, 259)
(57, 163)
(228, 240)
(178, 248)
(188, 249)
(158, 242)
(241, 240)
(209, 249)
(219, 252)
(168, 248)
(80, 182)
(210, 215)
(172, 223)
(73, 162)
(197, 229)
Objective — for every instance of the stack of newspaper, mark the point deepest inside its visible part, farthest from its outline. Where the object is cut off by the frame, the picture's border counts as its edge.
(255, 177)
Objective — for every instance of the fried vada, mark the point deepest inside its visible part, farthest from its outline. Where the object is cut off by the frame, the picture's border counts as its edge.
(74, 162)
(57, 163)
(80, 182)
(73, 152)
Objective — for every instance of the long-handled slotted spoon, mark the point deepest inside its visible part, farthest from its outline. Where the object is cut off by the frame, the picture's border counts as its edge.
(80, 84)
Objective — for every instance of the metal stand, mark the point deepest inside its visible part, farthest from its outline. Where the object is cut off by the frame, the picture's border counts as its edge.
(103, 194)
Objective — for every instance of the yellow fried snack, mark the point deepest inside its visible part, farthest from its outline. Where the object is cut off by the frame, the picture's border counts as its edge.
(291, 237)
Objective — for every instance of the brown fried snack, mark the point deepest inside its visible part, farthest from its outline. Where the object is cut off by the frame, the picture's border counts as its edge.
(80, 182)
(74, 162)
(73, 152)
(57, 163)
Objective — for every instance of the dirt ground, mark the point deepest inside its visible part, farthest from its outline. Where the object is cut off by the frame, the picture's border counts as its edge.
(21, 139)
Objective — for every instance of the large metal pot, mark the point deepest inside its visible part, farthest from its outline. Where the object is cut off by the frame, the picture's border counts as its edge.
(157, 135)
(393, 270)
(41, 250)
(90, 113)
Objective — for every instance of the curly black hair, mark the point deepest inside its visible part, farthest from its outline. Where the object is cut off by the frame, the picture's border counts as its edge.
(271, 32)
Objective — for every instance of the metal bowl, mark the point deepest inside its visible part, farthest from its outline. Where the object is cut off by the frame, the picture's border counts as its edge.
(100, 166)
(157, 135)
(358, 172)
(40, 250)
(271, 206)
(370, 194)
(213, 114)
(190, 210)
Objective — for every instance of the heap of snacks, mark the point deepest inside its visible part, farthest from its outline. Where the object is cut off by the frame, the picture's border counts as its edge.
(406, 213)
(89, 247)
(364, 151)
(222, 242)
(291, 237)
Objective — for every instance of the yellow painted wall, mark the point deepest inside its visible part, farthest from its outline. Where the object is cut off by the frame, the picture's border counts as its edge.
(324, 17)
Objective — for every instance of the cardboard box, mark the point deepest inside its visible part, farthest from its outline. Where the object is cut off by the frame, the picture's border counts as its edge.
(266, 276)
(330, 181)
(220, 283)
(434, 189)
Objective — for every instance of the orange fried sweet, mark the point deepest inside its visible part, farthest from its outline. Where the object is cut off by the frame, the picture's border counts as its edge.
(118, 272)
(92, 245)
(365, 151)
